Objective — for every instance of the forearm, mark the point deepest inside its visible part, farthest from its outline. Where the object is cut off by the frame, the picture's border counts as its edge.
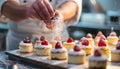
(68, 10)
(13, 10)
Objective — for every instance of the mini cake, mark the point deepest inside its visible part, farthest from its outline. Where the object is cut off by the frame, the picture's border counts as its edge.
(97, 61)
(112, 39)
(26, 46)
(104, 49)
(59, 52)
(42, 38)
(98, 37)
(90, 39)
(115, 54)
(43, 49)
(86, 46)
(69, 44)
(76, 56)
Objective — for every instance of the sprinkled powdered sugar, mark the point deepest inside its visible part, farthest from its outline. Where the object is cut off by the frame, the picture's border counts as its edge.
(25, 44)
(69, 43)
(43, 46)
(112, 37)
(58, 50)
(83, 46)
(94, 58)
(72, 52)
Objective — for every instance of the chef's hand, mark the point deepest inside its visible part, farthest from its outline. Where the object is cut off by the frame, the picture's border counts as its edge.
(42, 10)
(58, 18)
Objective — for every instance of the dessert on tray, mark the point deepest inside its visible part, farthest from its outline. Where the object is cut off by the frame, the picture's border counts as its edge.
(26, 46)
(76, 56)
(112, 39)
(99, 35)
(43, 49)
(115, 54)
(103, 47)
(59, 52)
(90, 39)
(97, 61)
(86, 46)
(69, 44)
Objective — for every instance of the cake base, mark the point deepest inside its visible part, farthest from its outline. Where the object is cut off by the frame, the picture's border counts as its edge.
(97, 64)
(76, 59)
(59, 55)
(26, 49)
(115, 57)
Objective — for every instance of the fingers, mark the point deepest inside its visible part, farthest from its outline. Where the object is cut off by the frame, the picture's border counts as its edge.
(49, 8)
(42, 9)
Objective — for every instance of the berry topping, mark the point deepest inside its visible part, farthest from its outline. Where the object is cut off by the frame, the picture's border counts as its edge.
(89, 35)
(27, 40)
(113, 34)
(99, 33)
(85, 42)
(101, 43)
(42, 38)
(76, 48)
(58, 45)
(69, 40)
(44, 42)
(97, 53)
(118, 46)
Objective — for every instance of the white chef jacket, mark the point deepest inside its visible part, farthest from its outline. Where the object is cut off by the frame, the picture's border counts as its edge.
(35, 28)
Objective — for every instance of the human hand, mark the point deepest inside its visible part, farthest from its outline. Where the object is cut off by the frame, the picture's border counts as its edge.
(42, 10)
(58, 18)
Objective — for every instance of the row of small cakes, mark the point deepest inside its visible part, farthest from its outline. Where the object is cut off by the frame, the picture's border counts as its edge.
(111, 39)
(74, 56)
(26, 46)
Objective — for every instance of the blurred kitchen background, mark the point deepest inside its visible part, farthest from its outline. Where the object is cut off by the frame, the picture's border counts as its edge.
(97, 15)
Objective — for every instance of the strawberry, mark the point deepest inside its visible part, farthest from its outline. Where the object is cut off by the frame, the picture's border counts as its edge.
(89, 35)
(99, 33)
(97, 53)
(44, 42)
(85, 42)
(58, 45)
(101, 43)
(42, 38)
(118, 46)
(76, 48)
(69, 40)
(113, 34)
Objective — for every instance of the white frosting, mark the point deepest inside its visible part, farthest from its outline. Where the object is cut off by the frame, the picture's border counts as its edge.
(95, 58)
(72, 52)
(102, 47)
(116, 51)
(112, 37)
(43, 46)
(25, 44)
(69, 43)
(83, 46)
(58, 50)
